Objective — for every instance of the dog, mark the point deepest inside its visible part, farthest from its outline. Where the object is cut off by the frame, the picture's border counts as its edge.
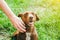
(29, 19)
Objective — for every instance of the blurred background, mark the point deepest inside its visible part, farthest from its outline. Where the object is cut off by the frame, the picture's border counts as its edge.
(48, 27)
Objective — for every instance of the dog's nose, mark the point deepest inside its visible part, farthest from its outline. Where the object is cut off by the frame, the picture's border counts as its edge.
(31, 17)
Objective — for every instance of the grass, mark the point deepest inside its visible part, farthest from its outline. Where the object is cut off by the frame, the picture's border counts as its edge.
(48, 27)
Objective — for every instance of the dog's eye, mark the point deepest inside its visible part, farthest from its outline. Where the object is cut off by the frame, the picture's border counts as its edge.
(26, 14)
(32, 13)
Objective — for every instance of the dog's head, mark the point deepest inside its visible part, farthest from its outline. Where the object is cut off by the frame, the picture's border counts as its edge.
(29, 18)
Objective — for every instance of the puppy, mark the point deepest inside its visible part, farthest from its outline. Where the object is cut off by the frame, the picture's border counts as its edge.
(31, 34)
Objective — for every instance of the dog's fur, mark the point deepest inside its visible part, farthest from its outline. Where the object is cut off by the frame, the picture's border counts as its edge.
(31, 34)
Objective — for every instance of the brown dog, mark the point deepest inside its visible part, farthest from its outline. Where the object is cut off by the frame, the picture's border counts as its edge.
(31, 34)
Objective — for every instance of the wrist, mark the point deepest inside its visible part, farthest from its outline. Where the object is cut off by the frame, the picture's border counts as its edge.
(11, 16)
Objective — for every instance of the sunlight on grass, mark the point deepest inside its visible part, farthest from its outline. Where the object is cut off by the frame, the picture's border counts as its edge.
(48, 27)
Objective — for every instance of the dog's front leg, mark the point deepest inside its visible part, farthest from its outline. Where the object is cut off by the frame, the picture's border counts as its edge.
(34, 35)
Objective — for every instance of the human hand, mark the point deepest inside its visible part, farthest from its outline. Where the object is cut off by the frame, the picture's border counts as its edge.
(18, 24)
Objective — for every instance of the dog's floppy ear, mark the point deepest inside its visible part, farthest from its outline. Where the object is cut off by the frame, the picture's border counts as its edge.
(37, 18)
(20, 15)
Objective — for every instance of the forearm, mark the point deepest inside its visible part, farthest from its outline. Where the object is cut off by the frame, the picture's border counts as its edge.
(6, 9)
(18, 24)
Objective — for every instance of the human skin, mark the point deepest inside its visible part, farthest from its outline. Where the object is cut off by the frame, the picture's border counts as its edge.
(18, 24)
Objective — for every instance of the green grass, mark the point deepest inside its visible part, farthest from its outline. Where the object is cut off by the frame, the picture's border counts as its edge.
(48, 27)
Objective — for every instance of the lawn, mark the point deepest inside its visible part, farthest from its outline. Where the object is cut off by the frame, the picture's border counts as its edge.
(48, 27)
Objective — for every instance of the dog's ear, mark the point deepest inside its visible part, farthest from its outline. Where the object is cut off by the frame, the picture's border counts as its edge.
(20, 15)
(37, 18)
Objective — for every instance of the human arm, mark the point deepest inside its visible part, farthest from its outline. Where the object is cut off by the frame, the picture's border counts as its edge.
(18, 24)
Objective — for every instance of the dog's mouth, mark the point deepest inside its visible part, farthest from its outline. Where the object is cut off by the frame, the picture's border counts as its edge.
(30, 23)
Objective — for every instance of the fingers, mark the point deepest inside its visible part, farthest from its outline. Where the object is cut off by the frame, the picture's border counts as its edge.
(21, 26)
(18, 25)
(18, 28)
(21, 21)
